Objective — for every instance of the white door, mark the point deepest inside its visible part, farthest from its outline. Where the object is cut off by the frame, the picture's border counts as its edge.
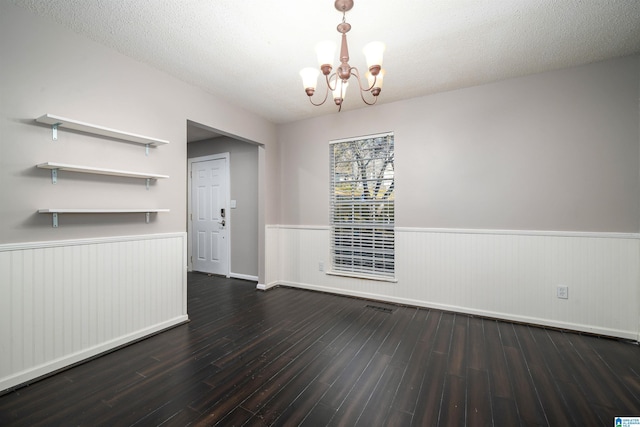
(210, 216)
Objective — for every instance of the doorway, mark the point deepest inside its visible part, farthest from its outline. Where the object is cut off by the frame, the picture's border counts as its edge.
(243, 212)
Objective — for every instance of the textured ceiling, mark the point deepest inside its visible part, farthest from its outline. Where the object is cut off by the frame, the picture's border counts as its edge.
(250, 51)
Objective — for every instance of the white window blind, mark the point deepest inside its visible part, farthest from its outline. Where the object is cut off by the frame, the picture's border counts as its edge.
(362, 206)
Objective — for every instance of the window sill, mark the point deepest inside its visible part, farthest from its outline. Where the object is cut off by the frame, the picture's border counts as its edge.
(362, 276)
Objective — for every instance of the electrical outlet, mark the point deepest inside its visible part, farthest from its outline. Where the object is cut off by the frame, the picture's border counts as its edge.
(563, 292)
(321, 266)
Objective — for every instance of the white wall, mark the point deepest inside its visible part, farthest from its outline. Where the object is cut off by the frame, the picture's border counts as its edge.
(554, 156)
(48, 69)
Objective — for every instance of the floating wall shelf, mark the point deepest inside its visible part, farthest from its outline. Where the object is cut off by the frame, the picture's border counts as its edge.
(63, 122)
(55, 212)
(55, 167)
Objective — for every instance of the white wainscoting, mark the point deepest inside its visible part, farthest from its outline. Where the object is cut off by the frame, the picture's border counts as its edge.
(62, 302)
(510, 275)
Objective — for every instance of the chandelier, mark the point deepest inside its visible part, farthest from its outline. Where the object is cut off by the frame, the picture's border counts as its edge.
(338, 82)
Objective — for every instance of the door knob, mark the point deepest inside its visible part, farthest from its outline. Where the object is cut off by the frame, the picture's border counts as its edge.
(222, 223)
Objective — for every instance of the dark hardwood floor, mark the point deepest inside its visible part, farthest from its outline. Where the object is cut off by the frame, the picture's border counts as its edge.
(294, 357)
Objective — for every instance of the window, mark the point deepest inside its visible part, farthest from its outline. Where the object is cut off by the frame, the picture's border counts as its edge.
(362, 207)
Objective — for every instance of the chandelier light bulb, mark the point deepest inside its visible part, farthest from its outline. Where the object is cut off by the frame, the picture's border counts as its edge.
(340, 91)
(376, 81)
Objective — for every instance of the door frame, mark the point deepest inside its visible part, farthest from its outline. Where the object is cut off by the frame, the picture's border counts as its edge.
(190, 236)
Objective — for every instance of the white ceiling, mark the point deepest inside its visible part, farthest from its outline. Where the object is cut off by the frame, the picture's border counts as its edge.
(250, 51)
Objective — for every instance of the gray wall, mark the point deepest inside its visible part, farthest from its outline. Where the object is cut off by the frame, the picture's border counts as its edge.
(243, 162)
(552, 151)
(48, 69)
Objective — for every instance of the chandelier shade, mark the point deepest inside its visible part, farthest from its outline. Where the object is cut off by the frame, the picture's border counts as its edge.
(309, 77)
(338, 81)
(373, 53)
(325, 51)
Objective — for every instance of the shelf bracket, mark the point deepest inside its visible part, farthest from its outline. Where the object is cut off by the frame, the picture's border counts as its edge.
(146, 149)
(55, 219)
(54, 176)
(148, 214)
(54, 131)
(148, 182)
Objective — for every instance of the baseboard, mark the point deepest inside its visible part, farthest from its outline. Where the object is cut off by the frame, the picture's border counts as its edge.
(56, 365)
(263, 287)
(629, 335)
(243, 277)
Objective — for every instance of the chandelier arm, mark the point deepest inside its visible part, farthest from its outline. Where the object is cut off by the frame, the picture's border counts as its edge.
(329, 77)
(326, 95)
(375, 98)
(355, 72)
